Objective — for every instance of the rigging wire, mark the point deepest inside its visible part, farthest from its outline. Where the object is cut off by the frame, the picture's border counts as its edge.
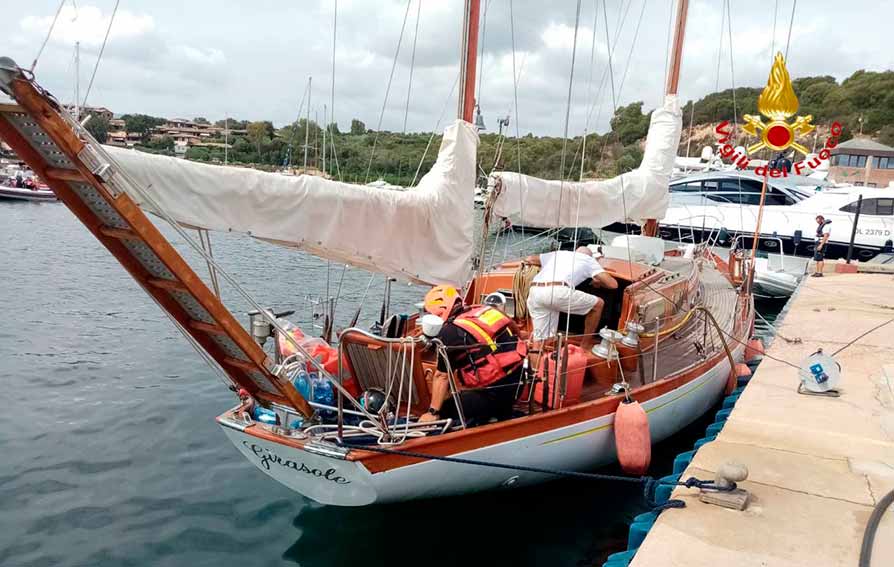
(435, 131)
(400, 39)
(47, 38)
(515, 78)
(791, 24)
(583, 152)
(412, 65)
(332, 94)
(481, 52)
(773, 41)
(101, 51)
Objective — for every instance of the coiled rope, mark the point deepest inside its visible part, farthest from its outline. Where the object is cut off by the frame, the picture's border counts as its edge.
(521, 287)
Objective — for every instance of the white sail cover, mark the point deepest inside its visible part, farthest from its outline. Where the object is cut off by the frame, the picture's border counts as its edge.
(632, 197)
(423, 235)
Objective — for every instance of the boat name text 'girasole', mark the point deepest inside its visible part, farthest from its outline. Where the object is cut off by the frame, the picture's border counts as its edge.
(267, 456)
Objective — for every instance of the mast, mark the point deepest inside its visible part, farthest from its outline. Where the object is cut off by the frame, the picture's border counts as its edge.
(650, 228)
(673, 77)
(469, 60)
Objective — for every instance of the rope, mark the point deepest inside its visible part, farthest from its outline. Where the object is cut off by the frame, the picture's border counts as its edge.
(101, 51)
(47, 38)
(649, 483)
(521, 287)
(872, 330)
(400, 39)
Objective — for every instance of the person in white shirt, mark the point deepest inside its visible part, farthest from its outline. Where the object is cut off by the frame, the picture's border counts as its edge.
(553, 291)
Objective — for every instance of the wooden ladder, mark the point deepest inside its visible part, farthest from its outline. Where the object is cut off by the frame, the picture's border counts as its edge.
(86, 182)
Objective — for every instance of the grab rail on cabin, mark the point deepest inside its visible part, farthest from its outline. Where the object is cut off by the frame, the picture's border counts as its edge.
(40, 133)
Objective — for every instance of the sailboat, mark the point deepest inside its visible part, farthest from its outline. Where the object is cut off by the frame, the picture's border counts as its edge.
(673, 334)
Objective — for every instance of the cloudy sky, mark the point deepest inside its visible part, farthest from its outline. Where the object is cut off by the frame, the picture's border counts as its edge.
(251, 60)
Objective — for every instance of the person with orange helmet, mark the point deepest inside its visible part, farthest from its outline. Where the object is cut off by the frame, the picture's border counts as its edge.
(482, 349)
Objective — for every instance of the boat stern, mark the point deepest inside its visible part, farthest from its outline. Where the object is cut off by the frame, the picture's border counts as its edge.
(320, 471)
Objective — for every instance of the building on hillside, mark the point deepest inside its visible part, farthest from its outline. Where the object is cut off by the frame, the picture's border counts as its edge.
(863, 162)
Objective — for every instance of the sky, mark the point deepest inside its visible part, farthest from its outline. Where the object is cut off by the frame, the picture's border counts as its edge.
(252, 60)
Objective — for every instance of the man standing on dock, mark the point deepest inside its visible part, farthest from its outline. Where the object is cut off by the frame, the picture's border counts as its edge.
(822, 237)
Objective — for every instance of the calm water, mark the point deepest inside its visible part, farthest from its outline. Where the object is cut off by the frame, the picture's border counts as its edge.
(110, 453)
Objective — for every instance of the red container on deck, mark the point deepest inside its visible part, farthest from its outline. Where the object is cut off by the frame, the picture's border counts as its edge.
(577, 369)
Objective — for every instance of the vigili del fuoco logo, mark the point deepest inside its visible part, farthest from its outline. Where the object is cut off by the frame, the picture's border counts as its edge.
(777, 103)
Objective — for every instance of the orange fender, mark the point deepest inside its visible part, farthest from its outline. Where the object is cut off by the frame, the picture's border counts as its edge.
(632, 438)
(754, 349)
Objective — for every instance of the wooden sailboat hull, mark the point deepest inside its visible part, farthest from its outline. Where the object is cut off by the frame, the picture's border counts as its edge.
(579, 446)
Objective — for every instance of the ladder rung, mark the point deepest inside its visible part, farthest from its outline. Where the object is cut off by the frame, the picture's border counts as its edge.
(169, 285)
(240, 364)
(120, 233)
(60, 174)
(206, 327)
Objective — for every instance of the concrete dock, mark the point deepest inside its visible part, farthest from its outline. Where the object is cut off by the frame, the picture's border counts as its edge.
(817, 465)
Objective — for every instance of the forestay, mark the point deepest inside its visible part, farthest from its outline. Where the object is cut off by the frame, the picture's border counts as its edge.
(422, 235)
(632, 197)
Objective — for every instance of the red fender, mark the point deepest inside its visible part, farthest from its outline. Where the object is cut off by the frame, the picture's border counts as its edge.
(632, 438)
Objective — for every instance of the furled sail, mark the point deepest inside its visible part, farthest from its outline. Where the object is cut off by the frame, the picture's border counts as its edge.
(632, 197)
(423, 235)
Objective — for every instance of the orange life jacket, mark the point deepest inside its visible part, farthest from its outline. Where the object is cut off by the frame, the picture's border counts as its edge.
(488, 364)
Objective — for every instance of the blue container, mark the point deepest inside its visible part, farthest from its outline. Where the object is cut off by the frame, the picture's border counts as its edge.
(714, 428)
(301, 381)
(663, 491)
(637, 534)
(682, 461)
(704, 441)
(722, 415)
(322, 390)
(264, 415)
(621, 558)
(646, 518)
(730, 401)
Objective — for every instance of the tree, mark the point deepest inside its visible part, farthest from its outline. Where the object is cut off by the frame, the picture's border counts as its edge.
(98, 128)
(201, 120)
(357, 127)
(629, 123)
(259, 133)
(141, 123)
(333, 128)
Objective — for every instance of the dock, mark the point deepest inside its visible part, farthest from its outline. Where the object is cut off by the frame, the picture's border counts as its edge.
(817, 465)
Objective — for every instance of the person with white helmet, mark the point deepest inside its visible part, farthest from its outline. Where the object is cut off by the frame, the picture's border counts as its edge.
(484, 352)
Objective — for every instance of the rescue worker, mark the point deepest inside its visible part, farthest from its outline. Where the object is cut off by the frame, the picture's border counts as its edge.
(822, 238)
(485, 355)
(553, 291)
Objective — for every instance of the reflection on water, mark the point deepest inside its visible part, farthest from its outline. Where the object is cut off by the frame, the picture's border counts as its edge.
(111, 455)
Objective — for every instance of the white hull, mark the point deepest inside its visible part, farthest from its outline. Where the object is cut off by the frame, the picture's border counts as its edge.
(20, 194)
(579, 447)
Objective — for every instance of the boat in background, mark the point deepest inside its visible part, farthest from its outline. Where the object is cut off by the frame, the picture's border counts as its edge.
(24, 185)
